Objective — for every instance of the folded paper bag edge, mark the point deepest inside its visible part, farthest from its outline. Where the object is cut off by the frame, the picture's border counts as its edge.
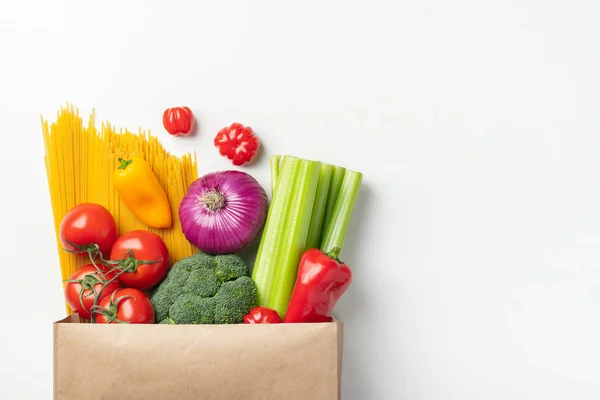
(76, 319)
(69, 319)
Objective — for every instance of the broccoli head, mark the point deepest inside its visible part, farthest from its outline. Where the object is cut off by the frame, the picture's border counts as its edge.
(205, 289)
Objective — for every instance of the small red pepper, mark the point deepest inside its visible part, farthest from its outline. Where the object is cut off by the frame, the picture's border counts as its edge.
(262, 315)
(178, 121)
(322, 280)
(238, 143)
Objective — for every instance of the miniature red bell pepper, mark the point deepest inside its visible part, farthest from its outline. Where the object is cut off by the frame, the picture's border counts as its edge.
(322, 280)
(238, 143)
(262, 315)
(178, 121)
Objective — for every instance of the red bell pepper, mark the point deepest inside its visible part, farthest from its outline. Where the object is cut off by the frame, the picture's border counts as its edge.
(262, 315)
(322, 280)
(238, 143)
(178, 121)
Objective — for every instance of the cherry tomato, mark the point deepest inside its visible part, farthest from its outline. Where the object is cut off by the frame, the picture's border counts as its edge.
(262, 315)
(87, 224)
(125, 305)
(88, 277)
(144, 255)
(178, 121)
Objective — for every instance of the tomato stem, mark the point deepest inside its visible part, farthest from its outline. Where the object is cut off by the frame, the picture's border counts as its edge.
(104, 282)
(88, 282)
(97, 297)
(128, 263)
(111, 312)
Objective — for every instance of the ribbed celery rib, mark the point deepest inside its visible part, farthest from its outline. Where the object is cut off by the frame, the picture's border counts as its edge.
(313, 239)
(342, 212)
(274, 164)
(265, 264)
(311, 207)
(293, 241)
(334, 190)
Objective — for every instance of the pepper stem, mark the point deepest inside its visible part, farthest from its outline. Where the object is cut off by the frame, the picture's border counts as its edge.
(334, 253)
(213, 200)
(124, 163)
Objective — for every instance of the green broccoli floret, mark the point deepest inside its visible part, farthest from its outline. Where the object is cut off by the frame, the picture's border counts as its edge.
(234, 300)
(205, 289)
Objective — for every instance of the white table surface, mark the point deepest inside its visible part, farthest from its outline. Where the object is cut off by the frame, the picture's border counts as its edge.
(476, 243)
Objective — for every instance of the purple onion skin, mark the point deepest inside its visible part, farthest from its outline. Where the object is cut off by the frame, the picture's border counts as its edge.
(237, 216)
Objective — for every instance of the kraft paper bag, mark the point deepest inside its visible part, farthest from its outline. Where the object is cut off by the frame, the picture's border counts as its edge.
(185, 362)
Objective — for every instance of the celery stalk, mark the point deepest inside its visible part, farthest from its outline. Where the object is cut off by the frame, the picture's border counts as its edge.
(316, 223)
(334, 190)
(265, 264)
(274, 162)
(293, 241)
(336, 232)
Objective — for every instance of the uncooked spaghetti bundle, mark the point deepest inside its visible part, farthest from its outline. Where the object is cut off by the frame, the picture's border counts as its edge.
(80, 162)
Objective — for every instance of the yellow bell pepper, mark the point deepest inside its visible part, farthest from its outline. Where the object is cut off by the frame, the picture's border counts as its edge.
(142, 193)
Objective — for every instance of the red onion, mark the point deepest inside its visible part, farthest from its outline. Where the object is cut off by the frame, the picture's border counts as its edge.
(223, 211)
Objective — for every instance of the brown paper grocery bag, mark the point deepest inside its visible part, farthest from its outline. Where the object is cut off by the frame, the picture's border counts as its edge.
(185, 362)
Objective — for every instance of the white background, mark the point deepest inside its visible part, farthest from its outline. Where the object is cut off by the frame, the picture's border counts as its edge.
(476, 242)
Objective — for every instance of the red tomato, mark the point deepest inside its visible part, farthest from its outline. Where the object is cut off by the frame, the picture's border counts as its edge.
(88, 277)
(137, 249)
(86, 224)
(262, 315)
(126, 305)
(178, 121)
